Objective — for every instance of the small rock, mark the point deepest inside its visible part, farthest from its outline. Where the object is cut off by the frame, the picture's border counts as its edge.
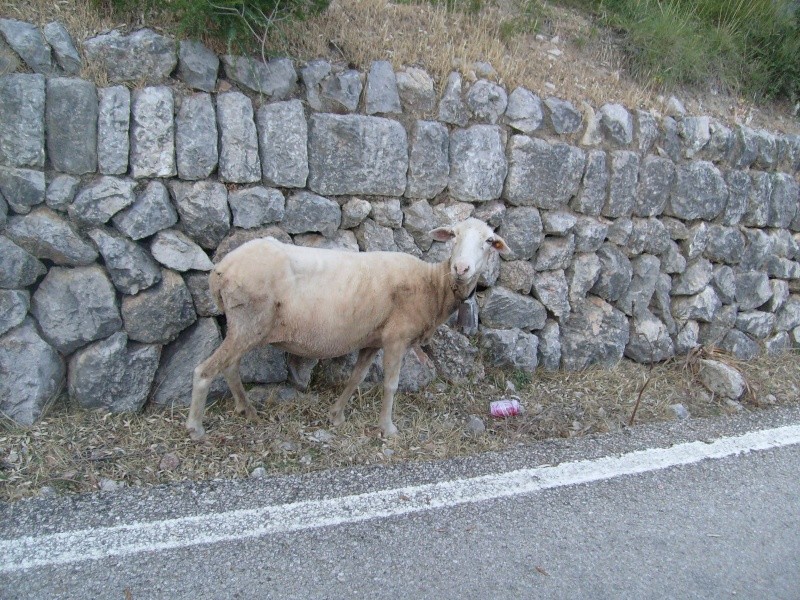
(169, 462)
(258, 473)
(680, 411)
(475, 425)
(110, 485)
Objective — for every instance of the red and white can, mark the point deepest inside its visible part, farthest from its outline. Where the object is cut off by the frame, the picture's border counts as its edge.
(505, 408)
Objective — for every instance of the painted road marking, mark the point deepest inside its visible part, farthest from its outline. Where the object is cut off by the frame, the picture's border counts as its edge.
(125, 540)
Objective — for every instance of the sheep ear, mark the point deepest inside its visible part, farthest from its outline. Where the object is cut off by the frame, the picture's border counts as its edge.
(443, 234)
(500, 245)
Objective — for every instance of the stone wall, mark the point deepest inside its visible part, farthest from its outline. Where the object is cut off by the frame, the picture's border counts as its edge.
(632, 234)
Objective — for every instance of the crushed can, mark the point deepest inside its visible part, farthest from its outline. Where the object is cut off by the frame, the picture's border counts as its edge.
(505, 408)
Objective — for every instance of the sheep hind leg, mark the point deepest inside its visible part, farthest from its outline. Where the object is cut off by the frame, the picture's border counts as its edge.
(365, 357)
(234, 380)
(204, 374)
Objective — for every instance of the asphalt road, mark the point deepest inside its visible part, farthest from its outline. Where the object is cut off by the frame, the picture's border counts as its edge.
(712, 512)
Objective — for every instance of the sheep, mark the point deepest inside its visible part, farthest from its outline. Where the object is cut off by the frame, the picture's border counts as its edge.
(320, 303)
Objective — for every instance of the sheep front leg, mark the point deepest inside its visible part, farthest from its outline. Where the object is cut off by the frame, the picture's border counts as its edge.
(365, 357)
(392, 361)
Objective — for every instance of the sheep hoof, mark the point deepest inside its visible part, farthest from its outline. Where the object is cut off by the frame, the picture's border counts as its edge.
(249, 413)
(196, 432)
(389, 431)
(337, 418)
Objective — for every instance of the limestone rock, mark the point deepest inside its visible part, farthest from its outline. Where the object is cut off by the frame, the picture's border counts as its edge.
(649, 339)
(416, 90)
(256, 206)
(18, 268)
(429, 160)
(239, 161)
(203, 210)
(622, 184)
(721, 379)
(196, 137)
(14, 306)
(309, 212)
(197, 65)
(510, 348)
(71, 125)
(141, 56)
(477, 163)
(22, 107)
(381, 93)
(176, 251)
(656, 177)
(522, 230)
(102, 199)
(113, 126)
(29, 43)
(552, 290)
(453, 355)
(524, 111)
(283, 138)
(594, 333)
(451, 106)
(49, 236)
(700, 192)
(505, 309)
(542, 174)
(564, 117)
(151, 212)
(486, 101)
(617, 124)
(22, 188)
(152, 150)
(591, 198)
(158, 314)
(61, 192)
(130, 267)
(276, 78)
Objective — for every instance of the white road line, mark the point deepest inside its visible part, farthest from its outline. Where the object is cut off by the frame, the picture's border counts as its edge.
(124, 540)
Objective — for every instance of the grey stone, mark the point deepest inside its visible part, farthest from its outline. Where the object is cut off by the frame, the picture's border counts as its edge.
(582, 274)
(355, 210)
(71, 125)
(594, 333)
(33, 374)
(542, 174)
(239, 161)
(564, 117)
(522, 231)
(767, 156)
(724, 282)
(276, 78)
(429, 160)
(686, 339)
(558, 222)
(130, 267)
(309, 212)
(740, 345)
(721, 379)
(649, 339)
(313, 74)
(644, 279)
(675, 108)
(552, 290)
(14, 306)
(113, 126)
(591, 198)
(22, 107)
(752, 289)
(452, 212)
(758, 201)
(283, 138)
(491, 272)
(256, 206)
(672, 261)
(196, 137)
(696, 241)
(492, 213)
(524, 112)
(788, 317)
(204, 304)
(18, 268)
(648, 235)
(646, 131)
(720, 143)
(61, 192)
(113, 375)
(29, 43)
(700, 307)
(700, 192)
(265, 364)
(453, 355)
(758, 249)
(203, 210)
(783, 244)
(694, 279)
(592, 135)
(782, 268)
(622, 184)
(237, 237)
(176, 251)
(151, 212)
(486, 101)
(677, 229)
(656, 177)
(373, 237)
(22, 188)
(158, 314)
(615, 273)
(75, 307)
(381, 93)
(505, 309)
(620, 230)
(661, 302)
(49, 236)
(517, 275)
(352, 154)
(451, 106)
(783, 200)
(780, 294)
(555, 253)
(101, 200)
(725, 244)
(9, 60)
(173, 380)
(680, 411)
(341, 240)
(152, 149)
(419, 221)
(617, 124)
(510, 348)
(696, 134)
(475, 425)
(141, 56)
(63, 47)
(340, 92)
(549, 349)
(477, 163)
(387, 213)
(404, 242)
(756, 323)
(669, 144)
(714, 331)
(197, 65)
(416, 90)
(778, 344)
(745, 147)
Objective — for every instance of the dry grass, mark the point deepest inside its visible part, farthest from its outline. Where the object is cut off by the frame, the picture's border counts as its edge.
(74, 450)
(591, 67)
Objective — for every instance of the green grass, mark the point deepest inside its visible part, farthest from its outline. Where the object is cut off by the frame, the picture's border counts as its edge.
(749, 46)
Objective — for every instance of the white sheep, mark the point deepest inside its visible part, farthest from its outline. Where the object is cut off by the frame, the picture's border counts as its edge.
(319, 303)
